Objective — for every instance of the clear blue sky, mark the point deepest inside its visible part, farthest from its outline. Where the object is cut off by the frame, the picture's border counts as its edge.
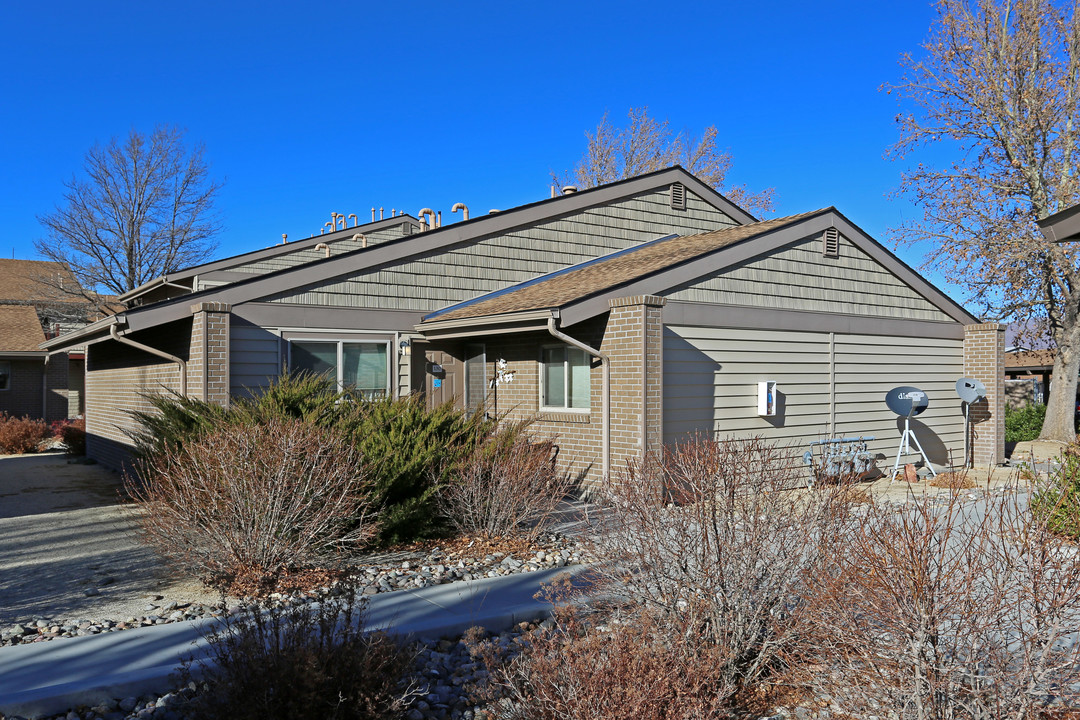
(342, 106)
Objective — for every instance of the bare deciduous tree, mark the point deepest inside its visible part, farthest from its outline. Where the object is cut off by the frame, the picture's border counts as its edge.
(646, 144)
(998, 81)
(143, 209)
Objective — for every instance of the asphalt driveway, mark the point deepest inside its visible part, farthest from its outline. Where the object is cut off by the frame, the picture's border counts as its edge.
(69, 548)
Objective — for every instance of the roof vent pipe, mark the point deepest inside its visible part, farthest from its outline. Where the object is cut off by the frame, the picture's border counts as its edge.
(568, 189)
(492, 211)
(380, 214)
(438, 219)
(372, 214)
(358, 236)
(431, 222)
(284, 238)
(552, 191)
(464, 210)
(355, 220)
(324, 247)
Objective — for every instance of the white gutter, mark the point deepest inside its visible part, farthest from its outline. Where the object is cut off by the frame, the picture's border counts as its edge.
(605, 365)
(154, 351)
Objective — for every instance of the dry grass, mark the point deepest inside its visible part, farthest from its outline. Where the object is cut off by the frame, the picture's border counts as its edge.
(953, 480)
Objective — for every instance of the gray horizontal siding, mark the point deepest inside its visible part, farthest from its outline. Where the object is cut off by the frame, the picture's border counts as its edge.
(799, 277)
(337, 247)
(493, 263)
(254, 358)
(711, 376)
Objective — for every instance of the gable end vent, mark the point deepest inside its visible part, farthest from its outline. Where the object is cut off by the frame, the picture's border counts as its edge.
(678, 196)
(830, 243)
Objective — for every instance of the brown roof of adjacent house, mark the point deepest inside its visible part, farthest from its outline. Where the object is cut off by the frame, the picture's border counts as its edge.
(36, 281)
(20, 329)
(1029, 359)
(597, 276)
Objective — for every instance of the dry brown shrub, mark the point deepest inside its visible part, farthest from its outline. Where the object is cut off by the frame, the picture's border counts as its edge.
(639, 669)
(709, 538)
(248, 503)
(961, 610)
(21, 435)
(507, 486)
(298, 662)
(953, 480)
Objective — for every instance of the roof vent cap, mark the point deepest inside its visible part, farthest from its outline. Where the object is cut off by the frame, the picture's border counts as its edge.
(568, 189)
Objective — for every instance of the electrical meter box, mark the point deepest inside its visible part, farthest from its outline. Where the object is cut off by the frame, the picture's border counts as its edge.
(766, 398)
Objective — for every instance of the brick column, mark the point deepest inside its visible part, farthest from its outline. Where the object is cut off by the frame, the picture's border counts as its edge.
(633, 340)
(984, 359)
(208, 361)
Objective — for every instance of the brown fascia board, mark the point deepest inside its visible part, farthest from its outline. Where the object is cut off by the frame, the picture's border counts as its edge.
(270, 252)
(1063, 226)
(430, 242)
(659, 282)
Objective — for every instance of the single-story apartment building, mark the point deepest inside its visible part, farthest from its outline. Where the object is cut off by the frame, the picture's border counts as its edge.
(632, 314)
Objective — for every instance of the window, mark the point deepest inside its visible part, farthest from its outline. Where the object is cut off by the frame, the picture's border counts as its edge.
(361, 366)
(5, 375)
(565, 378)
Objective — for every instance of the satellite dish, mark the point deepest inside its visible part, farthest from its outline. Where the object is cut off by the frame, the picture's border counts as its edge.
(907, 401)
(970, 390)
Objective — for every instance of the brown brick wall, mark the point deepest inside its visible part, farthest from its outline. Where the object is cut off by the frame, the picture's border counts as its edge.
(984, 359)
(632, 337)
(208, 366)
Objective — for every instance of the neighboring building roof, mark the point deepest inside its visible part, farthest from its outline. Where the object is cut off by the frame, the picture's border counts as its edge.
(36, 281)
(20, 329)
(610, 271)
(1029, 359)
(1063, 226)
(392, 252)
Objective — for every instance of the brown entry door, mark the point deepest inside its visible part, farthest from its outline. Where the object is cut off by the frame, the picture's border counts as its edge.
(442, 386)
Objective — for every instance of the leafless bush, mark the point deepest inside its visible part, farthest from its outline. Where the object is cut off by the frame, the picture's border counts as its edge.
(243, 503)
(711, 542)
(301, 661)
(962, 610)
(21, 435)
(633, 670)
(507, 486)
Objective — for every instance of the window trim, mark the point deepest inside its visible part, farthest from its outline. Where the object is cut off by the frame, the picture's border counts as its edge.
(340, 342)
(541, 382)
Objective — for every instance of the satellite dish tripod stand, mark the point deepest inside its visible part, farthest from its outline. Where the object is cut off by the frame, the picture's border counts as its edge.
(906, 441)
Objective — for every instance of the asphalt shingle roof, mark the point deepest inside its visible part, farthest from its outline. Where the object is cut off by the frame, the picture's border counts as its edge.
(20, 329)
(27, 281)
(597, 276)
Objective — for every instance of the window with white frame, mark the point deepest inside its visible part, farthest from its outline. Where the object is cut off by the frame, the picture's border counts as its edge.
(5, 375)
(360, 366)
(564, 378)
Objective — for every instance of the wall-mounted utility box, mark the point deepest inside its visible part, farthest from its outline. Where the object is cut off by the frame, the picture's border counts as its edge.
(766, 398)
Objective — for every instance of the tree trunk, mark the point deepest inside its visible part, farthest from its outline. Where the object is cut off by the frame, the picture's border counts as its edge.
(1061, 405)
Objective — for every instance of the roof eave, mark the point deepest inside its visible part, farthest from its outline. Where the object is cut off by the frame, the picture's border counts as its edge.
(500, 324)
(80, 336)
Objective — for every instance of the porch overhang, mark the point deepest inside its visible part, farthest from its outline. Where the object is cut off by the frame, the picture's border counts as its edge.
(505, 324)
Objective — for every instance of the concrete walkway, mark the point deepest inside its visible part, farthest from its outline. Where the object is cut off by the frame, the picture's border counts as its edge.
(45, 678)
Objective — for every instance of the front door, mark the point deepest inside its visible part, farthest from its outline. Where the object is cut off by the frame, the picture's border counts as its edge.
(443, 377)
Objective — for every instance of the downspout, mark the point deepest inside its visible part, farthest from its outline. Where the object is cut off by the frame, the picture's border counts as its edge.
(45, 389)
(605, 364)
(154, 351)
